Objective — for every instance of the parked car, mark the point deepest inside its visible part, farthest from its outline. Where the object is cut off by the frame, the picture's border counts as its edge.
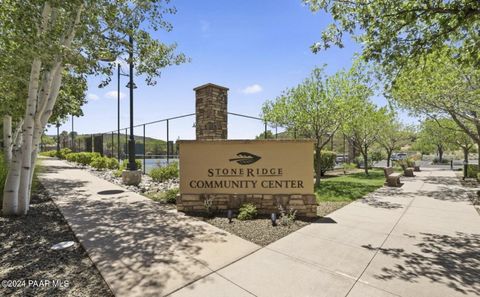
(340, 159)
(399, 156)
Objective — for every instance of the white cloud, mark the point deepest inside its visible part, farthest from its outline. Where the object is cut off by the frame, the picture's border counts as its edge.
(255, 88)
(113, 95)
(91, 96)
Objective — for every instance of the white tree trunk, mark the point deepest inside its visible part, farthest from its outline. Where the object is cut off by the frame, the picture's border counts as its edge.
(7, 138)
(27, 143)
(10, 191)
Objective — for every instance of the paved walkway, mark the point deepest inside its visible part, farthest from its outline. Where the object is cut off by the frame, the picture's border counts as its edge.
(419, 240)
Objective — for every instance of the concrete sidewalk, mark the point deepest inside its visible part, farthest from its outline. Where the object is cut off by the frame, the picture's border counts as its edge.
(139, 249)
(419, 240)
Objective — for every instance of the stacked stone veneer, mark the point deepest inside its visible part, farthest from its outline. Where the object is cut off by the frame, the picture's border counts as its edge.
(211, 112)
(305, 205)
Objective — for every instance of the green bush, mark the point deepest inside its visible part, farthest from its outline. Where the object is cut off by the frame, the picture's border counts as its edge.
(63, 153)
(99, 163)
(123, 167)
(436, 161)
(472, 170)
(84, 158)
(161, 174)
(248, 211)
(112, 163)
(348, 166)
(52, 153)
(327, 161)
(478, 177)
(170, 196)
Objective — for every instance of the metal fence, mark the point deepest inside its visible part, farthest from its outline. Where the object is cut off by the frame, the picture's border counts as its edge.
(156, 141)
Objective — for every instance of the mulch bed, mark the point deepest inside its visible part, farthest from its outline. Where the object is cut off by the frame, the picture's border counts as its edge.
(26, 257)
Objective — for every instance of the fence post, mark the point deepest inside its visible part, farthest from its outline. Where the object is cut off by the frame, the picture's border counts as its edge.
(168, 140)
(112, 146)
(126, 141)
(265, 132)
(276, 131)
(144, 150)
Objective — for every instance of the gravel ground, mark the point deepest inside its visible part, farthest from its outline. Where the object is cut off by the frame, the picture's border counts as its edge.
(473, 184)
(259, 231)
(25, 255)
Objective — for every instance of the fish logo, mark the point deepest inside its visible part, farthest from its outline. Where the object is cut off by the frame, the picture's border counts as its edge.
(245, 158)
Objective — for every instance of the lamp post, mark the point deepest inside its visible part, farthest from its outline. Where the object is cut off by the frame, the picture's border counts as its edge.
(132, 166)
(119, 74)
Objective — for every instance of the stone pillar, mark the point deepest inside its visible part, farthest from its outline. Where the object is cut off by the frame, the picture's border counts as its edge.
(211, 112)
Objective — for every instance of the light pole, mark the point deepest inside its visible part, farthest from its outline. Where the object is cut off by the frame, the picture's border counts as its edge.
(132, 166)
(119, 73)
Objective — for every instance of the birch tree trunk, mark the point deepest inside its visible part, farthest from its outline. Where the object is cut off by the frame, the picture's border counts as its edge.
(10, 192)
(7, 138)
(27, 143)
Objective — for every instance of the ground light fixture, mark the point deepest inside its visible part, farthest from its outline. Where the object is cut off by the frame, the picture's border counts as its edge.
(230, 216)
(62, 245)
(273, 217)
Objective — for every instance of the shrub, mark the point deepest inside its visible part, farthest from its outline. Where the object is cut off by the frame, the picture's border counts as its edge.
(112, 163)
(327, 161)
(348, 166)
(472, 170)
(63, 153)
(161, 174)
(123, 166)
(376, 156)
(287, 218)
(170, 196)
(99, 163)
(410, 162)
(86, 158)
(52, 153)
(436, 161)
(478, 177)
(248, 211)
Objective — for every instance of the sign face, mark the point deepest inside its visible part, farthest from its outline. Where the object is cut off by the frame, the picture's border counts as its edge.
(246, 167)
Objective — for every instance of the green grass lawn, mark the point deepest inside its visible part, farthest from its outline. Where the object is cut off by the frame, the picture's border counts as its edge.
(349, 187)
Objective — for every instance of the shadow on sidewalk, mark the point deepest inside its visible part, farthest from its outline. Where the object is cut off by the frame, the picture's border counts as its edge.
(132, 236)
(450, 260)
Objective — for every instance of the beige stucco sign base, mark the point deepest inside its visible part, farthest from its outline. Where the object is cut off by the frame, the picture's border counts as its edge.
(267, 173)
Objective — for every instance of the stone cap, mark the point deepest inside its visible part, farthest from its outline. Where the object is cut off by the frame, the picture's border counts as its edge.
(210, 85)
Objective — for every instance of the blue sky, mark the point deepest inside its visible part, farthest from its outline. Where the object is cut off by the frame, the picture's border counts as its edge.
(255, 48)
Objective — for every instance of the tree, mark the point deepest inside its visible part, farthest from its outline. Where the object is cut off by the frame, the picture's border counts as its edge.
(456, 136)
(42, 42)
(393, 136)
(441, 87)
(313, 109)
(434, 133)
(397, 32)
(269, 135)
(364, 124)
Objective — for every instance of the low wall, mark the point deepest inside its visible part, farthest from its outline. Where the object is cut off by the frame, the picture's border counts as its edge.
(305, 205)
